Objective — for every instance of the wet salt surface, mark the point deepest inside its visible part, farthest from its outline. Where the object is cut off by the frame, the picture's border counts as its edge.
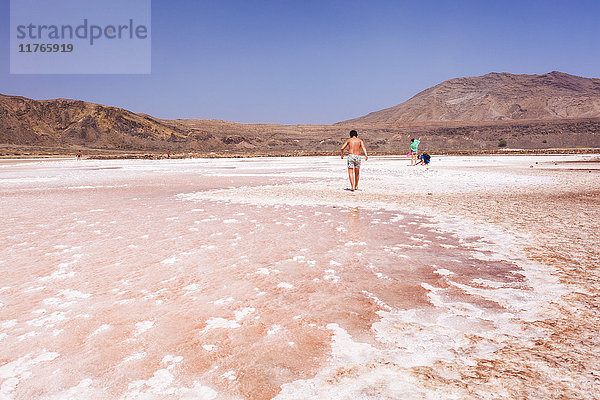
(208, 279)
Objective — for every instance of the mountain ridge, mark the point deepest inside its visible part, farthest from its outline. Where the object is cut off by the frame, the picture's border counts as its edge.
(544, 111)
(496, 97)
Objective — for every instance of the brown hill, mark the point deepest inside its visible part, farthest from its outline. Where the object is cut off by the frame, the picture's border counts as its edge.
(63, 121)
(497, 97)
(554, 110)
(72, 123)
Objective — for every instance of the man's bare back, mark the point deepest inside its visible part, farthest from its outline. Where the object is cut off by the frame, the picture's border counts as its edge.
(354, 145)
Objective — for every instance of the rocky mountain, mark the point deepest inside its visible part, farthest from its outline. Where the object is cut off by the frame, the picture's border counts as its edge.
(554, 110)
(60, 121)
(497, 97)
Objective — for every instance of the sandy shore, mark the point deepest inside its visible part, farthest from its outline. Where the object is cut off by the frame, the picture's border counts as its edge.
(474, 278)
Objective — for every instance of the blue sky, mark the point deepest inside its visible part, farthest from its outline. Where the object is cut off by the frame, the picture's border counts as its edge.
(324, 61)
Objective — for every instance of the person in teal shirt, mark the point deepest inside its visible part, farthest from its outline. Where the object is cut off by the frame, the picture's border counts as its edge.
(414, 148)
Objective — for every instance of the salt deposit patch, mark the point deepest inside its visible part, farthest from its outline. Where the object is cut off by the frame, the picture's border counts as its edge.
(9, 324)
(273, 329)
(21, 366)
(244, 312)
(49, 321)
(218, 322)
(263, 271)
(285, 285)
(192, 288)
(102, 328)
(18, 181)
(443, 272)
(223, 300)
(82, 390)
(163, 384)
(73, 294)
(355, 244)
(331, 276)
(171, 360)
(13, 372)
(230, 375)
(143, 326)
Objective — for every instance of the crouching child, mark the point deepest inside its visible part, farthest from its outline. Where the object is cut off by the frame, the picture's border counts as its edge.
(424, 159)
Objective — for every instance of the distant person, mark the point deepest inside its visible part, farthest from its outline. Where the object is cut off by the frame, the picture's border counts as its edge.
(414, 148)
(168, 153)
(424, 159)
(354, 145)
(79, 155)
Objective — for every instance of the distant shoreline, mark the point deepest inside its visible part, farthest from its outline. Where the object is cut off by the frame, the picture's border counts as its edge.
(97, 154)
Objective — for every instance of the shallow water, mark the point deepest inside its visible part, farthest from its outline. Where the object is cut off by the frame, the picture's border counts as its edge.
(252, 279)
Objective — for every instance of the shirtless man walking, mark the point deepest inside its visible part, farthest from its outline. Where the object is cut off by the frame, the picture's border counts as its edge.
(354, 145)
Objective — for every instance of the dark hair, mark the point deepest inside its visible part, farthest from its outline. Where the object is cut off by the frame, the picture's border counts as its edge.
(412, 140)
(353, 133)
